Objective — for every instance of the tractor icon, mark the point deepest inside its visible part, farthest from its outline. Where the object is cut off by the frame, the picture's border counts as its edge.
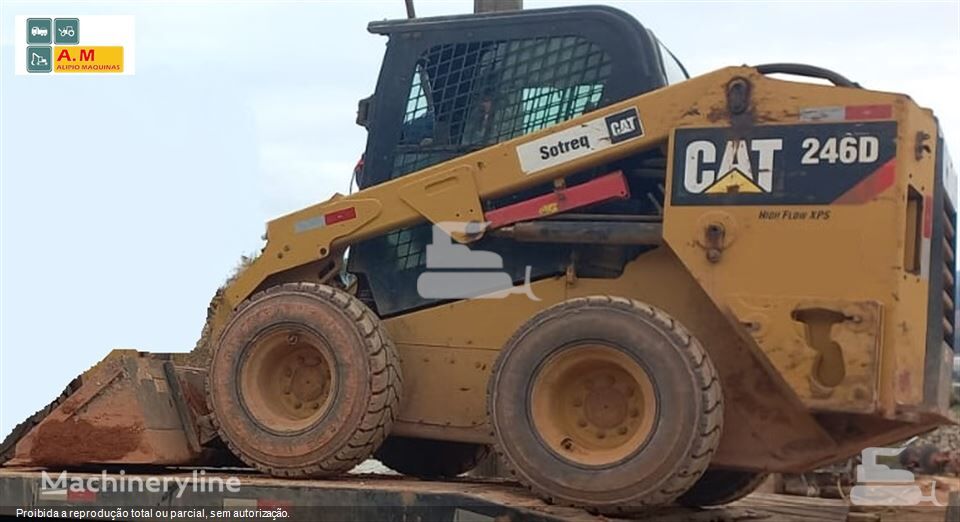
(66, 31)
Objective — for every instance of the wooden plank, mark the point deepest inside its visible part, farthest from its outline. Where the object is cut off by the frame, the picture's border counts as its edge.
(794, 508)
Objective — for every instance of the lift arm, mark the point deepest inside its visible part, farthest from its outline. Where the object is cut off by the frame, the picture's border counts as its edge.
(452, 191)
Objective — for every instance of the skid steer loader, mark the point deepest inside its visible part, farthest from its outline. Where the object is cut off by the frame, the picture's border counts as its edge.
(696, 281)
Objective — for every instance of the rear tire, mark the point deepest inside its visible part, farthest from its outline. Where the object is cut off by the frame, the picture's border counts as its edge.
(304, 381)
(721, 486)
(576, 397)
(428, 459)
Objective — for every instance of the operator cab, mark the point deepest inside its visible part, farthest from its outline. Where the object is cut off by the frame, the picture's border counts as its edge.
(456, 84)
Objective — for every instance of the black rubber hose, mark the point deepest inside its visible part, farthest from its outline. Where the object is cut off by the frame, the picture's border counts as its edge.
(800, 69)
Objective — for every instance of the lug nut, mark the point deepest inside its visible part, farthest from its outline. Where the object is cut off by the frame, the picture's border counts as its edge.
(293, 339)
(622, 430)
(634, 412)
(567, 444)
(601, 435)
(297, 405)
(582, 423)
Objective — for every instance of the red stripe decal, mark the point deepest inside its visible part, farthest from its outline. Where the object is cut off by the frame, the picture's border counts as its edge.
(868, 112)
(340, 215)
(608, 186)
(927, 217)
(878, 181)
(82, 496)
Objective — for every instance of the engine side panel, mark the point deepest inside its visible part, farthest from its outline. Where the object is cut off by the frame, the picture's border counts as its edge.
(796, 218)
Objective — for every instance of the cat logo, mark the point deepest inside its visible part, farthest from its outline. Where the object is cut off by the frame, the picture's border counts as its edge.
(736, 173)
(624, 125)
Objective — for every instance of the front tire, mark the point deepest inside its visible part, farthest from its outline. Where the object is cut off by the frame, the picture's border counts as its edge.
(304, 381)
(605, 403)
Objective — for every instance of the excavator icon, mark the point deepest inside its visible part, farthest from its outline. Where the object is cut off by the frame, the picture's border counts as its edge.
(37, 60)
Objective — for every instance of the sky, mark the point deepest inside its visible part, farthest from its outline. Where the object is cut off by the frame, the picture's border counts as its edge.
(126, 201)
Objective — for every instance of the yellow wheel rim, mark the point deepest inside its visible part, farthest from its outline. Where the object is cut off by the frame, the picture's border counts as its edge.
(593, 404)
(286, 380)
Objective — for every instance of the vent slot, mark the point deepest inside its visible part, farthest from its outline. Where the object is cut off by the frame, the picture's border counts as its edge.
(912, 242)
(949, 291)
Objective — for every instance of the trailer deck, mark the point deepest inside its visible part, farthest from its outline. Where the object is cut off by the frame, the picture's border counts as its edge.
(198, 494)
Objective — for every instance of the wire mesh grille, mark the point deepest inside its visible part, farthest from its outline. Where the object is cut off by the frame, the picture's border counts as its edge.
(467, 96)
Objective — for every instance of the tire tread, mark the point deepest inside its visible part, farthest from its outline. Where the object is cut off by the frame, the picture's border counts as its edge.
(385, 386)
(698, 456)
